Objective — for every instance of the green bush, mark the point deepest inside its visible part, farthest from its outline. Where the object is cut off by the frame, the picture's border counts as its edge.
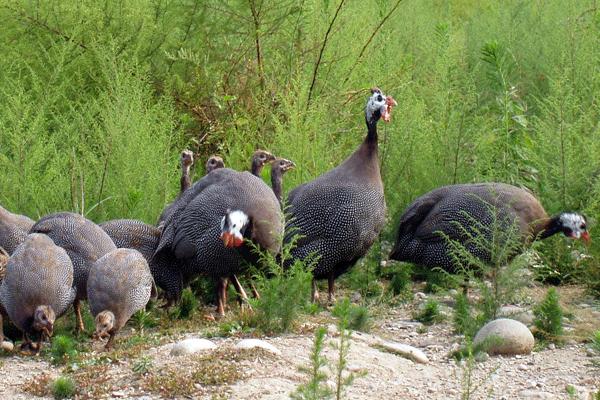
(595, 342)
(316, 387)
(548, 317)
(63, 388)
(429, 313)
(62, 349)
(354, 317)
(187, 305)
(401, 282)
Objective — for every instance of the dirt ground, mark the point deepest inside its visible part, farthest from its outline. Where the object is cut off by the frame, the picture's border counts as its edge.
(564, 372)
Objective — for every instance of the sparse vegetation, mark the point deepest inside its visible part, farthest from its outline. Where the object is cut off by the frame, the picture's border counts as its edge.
(549, 317)
(63, 349)
(316, 388)
(187, 305)
(63, 388)
(429, 313)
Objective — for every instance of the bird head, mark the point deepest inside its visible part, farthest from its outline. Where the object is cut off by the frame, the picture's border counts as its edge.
(233, 227)
(574, 225)
(214, 162)
(43, 320)
(105, 322)
(283, 164)
(260, 158)
(187, 158)
(379, 106)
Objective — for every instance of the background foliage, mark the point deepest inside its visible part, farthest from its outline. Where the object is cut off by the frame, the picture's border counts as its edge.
(98, 98)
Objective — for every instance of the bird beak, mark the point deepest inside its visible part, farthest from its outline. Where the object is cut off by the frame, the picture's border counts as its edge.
(387, 112)
(231, 240)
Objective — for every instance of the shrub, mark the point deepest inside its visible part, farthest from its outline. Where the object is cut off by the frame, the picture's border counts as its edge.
(548, 317)
(316, 387)
(63, 388)
(400, 282)
(187, 305)
(62, 349)
(429, 313)
(355, 317)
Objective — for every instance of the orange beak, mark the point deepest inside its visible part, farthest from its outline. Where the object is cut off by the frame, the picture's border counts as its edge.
(586, 237)
(230, 240)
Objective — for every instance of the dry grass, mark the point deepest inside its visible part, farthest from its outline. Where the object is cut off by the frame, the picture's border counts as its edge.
(39, 385)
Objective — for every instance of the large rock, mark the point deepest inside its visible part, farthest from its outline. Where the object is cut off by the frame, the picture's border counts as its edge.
(247, 344)
(191, 346)
(505, 336)
(406, 351)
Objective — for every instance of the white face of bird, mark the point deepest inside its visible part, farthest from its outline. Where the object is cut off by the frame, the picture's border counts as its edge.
(43, 320)
(105, 321)
(574, 226)
(233, 225)
(283, 164)
(379, 106)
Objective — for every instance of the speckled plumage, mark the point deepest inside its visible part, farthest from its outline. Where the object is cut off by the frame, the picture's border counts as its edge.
(341, 213)
(450, 209)
(133, 234)
(13, 229)
(38, 273)
(192, 232)
(84, 241)
(120, 282)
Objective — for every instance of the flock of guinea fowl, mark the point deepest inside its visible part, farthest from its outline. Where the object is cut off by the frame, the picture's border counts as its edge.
(64, 258)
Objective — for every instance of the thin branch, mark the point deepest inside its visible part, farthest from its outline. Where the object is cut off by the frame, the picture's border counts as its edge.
(318, 63)
(256, 21)
(364, 48)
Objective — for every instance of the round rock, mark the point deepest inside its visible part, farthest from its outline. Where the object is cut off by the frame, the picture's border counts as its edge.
(505, 336)
(248, 344)
(7, 346)
(191, 346)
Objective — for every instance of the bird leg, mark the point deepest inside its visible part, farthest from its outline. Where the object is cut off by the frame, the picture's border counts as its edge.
(28, 346)
(242, 296)
(221, 296)
(255, 293)
(330, 289)
(109, 344)
(314, 295)
(79, 320)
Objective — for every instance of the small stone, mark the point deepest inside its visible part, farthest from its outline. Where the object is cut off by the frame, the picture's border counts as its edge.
(356, 297)
(481, 356)
(505, 336)
(420, 296)
(522, 367)
(383, 264)
(7, 346)
(551, 346)
(590, 352)
(118, 393)
(332, 330)
(248, 344)
(191, 346)
(406, 351)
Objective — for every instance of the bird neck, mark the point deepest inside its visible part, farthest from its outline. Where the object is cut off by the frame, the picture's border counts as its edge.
(549, 227)
(371, 139)
(185, 178)
(276, 179)
(256, 168)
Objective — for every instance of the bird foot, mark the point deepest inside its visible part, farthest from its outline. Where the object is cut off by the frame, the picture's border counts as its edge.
(30, 348)
(209, 317)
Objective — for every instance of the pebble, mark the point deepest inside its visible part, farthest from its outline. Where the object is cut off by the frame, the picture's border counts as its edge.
(522, 367)
(191, 346)
(551, 346)
(248, 344)
(420, 296)
(7, 346)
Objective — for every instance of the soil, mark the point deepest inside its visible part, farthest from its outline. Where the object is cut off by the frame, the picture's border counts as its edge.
(568, 371)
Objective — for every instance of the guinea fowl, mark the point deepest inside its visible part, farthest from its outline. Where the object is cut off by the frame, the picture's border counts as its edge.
(457, 212)
(214, 162)
(340, 214)
(260, 158)
(37, 287)
(119, 284)
(279, 167)
(84, 241)
(133, 234)
(13, 229)
(211, 220)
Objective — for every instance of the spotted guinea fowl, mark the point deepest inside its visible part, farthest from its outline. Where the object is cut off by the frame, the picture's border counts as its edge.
(84, 241)
(457, 212)
(37, 287)
(133, 234)
(210, 221)
(119, 284)
(13, 229)
(340, 214)
(3, 262)
(214, 162)
(260, 158)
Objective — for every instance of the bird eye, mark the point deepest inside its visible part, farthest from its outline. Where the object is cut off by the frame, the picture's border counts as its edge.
(234, 225)
(582, 227)
(379, 98)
